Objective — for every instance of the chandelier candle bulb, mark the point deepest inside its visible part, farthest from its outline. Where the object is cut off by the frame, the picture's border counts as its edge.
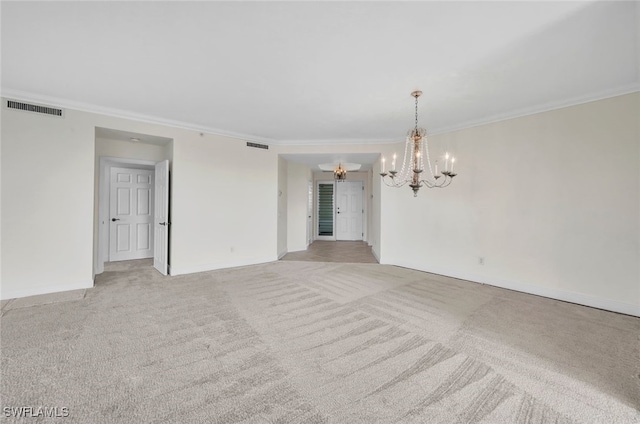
(383, 164)
(393, 163)
(452, 160)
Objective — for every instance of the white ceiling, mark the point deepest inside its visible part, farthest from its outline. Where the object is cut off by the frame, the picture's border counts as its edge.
(318, 72)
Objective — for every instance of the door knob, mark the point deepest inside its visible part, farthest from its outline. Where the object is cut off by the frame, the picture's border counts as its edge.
(163, 223)
(115, 219)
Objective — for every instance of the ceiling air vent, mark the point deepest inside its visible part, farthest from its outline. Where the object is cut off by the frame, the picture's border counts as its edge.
(28, 107)
(257, 146)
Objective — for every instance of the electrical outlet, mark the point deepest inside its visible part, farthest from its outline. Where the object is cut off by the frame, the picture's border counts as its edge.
(480, 260)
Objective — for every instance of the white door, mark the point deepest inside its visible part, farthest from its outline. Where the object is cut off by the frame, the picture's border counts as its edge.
(349, 210)
(130, 214)
(161, 222)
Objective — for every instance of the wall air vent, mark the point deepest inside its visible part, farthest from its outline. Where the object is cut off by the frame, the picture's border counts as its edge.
(257, 146)
(29, 107)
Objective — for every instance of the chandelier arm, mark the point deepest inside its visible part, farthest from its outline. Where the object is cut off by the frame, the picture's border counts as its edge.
(439, 183)
(400, 184)
(447, 180)
(436, 184)
(428, 184)
(393, 183)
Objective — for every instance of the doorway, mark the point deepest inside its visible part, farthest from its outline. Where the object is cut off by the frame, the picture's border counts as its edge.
(133, 212)
(340, 210)
(139, 224)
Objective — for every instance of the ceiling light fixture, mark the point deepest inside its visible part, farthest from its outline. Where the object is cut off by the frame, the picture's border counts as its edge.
(416, 152)
(340, 174)
(339, 170)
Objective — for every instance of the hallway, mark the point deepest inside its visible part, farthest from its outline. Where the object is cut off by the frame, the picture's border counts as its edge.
(334, 251)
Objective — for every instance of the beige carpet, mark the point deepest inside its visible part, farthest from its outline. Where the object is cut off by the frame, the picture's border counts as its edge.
(304, 342)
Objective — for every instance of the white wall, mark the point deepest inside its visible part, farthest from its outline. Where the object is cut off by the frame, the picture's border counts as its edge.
(224, 204)
(224, 207)
(298, 177)
(47, 208)
(376, 207)
(550, 201)
(282, 207)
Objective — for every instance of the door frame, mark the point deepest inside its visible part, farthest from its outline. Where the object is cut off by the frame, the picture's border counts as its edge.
(106, 163)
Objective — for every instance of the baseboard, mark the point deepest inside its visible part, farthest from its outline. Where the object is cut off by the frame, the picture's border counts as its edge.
(552, 293)
(281, 254)
(33, 291)
(178, 270)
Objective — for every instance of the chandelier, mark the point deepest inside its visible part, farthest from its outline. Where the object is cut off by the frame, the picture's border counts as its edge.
(340, 174)
(339, 170)
(416, 154)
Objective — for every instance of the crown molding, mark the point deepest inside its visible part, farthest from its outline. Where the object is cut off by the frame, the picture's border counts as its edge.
(339, 142)
(125, 114)
(547, 107)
